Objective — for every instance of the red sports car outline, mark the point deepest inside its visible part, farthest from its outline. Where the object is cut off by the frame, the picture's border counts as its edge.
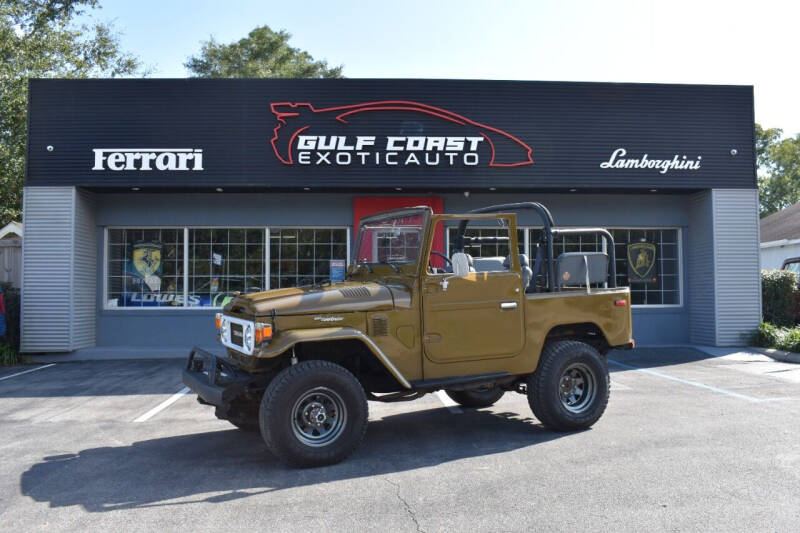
(283, 110)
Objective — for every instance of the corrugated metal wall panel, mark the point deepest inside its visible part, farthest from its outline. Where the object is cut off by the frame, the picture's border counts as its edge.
(46, 268)
(700, 239)
(84, 290)
(738, 282)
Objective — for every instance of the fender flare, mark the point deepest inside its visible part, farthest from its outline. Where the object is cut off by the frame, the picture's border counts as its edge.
(291, 337)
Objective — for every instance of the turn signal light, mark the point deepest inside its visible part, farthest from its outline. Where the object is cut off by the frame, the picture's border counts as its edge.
(218, 320)
(620, 303)
(263, 332)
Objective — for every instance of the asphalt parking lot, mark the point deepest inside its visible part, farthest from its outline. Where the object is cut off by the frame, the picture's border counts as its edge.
(689, 442)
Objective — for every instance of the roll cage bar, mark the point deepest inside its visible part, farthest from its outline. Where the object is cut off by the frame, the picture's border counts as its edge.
(549, 232)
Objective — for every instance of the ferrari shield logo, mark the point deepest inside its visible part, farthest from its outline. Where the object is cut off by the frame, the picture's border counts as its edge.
(641, 260)
(147, 258)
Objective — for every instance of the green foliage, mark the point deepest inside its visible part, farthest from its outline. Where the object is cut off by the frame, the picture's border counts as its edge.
(8, 355)
(262, 54)
(778, 169)
(779, 296)
(771, 336)
(39, 39)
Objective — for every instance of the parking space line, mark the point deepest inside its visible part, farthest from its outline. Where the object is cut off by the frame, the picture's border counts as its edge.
(163, 405)
(27, 371)
(692, 383)
(448, 402)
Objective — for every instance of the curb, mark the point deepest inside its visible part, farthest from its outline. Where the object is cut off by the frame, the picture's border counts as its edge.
(779, 355)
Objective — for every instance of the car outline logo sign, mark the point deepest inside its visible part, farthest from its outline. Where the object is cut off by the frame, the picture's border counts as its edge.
(296, 122)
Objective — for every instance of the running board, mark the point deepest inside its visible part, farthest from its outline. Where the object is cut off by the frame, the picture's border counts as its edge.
(457, 383)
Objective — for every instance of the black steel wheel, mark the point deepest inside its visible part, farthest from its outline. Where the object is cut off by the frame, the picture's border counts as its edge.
(476, 398)
(570, 388)
(313, 413)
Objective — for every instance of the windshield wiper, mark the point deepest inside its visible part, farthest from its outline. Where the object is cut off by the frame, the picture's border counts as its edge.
(364, 264)
(394, 267)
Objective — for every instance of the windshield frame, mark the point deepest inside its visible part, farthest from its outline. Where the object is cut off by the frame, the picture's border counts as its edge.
(425, 212)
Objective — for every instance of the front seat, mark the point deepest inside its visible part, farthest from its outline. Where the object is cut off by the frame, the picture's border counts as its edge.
(462, 264)
(527, 273)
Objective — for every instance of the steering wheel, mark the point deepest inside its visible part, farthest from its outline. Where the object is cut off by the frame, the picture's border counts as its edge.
(447, 259)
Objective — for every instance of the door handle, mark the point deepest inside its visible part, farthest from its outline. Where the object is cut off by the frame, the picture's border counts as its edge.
(508, 305)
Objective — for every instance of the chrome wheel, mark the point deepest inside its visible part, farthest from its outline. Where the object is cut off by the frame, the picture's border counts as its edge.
(319, 417)
(577, 388)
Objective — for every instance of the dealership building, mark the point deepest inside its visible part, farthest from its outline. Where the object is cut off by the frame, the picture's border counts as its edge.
(148, 203)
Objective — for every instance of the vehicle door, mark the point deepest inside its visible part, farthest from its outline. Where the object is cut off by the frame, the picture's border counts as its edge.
(477, 315)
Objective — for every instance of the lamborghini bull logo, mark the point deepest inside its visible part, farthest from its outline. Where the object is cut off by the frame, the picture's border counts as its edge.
(641, 260)
(390, 133)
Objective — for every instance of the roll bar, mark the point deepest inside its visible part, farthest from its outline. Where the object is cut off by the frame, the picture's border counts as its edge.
(549, 232)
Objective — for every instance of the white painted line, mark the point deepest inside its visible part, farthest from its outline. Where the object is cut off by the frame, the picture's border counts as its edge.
(689, 382)
(27, 371)
(448, 402)
(163, 405)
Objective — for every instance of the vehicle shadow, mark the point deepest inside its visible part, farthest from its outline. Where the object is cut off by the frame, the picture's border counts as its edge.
(655, 357)
(232, 464)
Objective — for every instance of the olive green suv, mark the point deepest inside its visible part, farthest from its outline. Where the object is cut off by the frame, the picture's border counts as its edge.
(476, 318)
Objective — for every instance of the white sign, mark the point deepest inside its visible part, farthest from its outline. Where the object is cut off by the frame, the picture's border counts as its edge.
(618, 159)
(117, 159)
(394, 150)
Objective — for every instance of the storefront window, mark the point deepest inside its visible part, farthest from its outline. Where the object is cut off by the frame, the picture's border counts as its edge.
(223, 261)
(145, 268)
(302, 256)
(486, 249)
(647, 261)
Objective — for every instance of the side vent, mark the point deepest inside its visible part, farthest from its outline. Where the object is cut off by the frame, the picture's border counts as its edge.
(355, 292)
(380, 326)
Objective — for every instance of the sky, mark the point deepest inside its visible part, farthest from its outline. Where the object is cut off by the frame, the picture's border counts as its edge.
(654, 41)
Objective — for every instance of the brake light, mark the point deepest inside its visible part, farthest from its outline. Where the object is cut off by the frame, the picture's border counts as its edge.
(620, 303)
(263, 333)
(218, 320)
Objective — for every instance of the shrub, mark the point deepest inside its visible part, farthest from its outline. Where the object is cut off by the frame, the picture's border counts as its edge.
(779, 297)
(8, 355)
(769, 336)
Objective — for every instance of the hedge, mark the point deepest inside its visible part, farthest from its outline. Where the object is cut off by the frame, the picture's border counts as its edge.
(779, 297)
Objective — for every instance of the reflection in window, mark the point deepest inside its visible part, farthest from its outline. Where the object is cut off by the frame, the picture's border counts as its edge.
(223, 261)
(301, 256)
(145, 268)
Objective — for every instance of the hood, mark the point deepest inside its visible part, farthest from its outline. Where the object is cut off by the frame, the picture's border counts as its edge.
(341, 297)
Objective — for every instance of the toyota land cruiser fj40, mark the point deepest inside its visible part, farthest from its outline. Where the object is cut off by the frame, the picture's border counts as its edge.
(411, 319)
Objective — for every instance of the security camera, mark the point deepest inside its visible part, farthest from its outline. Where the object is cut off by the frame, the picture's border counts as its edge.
(734, 151)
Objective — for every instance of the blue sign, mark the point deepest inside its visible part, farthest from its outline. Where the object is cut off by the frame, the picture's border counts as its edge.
(337, 269)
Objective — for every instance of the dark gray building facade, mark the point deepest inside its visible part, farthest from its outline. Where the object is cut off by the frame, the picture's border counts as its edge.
(149, 202)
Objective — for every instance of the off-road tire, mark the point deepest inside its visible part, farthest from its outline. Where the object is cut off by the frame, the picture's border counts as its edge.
(544, 385)
(476, 398)
(288, 391)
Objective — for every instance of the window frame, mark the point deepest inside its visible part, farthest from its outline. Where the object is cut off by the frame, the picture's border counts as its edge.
(186, 228)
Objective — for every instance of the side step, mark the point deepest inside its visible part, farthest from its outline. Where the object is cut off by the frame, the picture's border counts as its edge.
(457, 383)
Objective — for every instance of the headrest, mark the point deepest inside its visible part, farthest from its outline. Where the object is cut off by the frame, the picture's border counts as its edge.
(461, 263)
(523, 261)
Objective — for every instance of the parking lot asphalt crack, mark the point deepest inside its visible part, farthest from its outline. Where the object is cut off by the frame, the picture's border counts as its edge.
(405, 504)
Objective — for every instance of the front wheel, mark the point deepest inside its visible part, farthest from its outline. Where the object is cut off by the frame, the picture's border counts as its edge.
(313, 413)
(570, 388)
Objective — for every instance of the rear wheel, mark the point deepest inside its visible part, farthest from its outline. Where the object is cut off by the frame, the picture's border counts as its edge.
(476, 398)
(313, 413)
(570, 388)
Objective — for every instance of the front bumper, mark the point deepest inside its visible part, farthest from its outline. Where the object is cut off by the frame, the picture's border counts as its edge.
(210, 376)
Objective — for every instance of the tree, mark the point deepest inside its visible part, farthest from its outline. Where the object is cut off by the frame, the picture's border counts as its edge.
(40, 39)
(778, 169)
(262, 54)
